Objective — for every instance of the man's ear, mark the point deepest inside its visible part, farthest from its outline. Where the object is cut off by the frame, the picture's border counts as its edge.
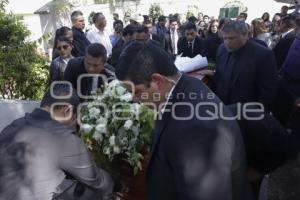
(68, 112)
(158, 80)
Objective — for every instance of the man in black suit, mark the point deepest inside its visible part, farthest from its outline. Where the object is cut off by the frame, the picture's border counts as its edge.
(87, 74)
(172, 37)
(245, 70)
(190, 45)
(129, 33)
(287, 27)
(193, 154)
(80, 42)
(152, 36)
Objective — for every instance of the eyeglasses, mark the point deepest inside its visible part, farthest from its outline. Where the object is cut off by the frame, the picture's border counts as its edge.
(65, 47)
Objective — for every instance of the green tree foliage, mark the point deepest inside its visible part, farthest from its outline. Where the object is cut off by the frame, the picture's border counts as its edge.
(23, 71)
(155, 11)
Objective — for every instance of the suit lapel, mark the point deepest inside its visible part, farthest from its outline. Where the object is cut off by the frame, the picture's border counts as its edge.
(161, 124)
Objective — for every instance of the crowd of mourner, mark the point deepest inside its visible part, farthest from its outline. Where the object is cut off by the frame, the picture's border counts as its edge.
(193, 159)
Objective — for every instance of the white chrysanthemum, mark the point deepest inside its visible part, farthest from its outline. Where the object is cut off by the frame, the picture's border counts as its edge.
(116, 149)
(112, 140)
(101, 120)
(101, 128)
(113, 83)
(98, 136)
(120, 90)
(107, 93)
(128, 124)
(84, 118)
(135, 130)
(106, 151)
(86, 128)
(126, 97)
(135, 107)
(94, 112)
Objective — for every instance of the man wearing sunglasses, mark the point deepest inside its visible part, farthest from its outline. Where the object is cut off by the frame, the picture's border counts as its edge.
(190, 45)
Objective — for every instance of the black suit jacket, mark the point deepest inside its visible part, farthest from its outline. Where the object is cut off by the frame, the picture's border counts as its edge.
(212, 43)
(198, 48)
(282, 48)
(80, 42)
(195, 159)
(75, 68)
(159, 40)
(266, 140)
(254, 78)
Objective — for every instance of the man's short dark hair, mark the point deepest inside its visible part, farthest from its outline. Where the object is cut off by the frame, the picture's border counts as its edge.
(190, 26)
(139, 60)
(96, 50)
(192, 19)
(60, 93)
(244, 15)
(161, 18)
(129, 30)
(172, 19)
(75, 14)
(96, 15)
(236, 26)
(142, 29)
(64, 39)
(118, 23)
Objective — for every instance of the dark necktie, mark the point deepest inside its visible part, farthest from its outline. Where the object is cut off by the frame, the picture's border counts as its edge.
(190, 49)
(230, 63)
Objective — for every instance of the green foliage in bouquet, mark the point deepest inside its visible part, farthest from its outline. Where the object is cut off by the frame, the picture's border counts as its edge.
(115, 128)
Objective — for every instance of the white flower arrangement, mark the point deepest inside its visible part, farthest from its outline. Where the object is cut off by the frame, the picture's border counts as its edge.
(118, 126)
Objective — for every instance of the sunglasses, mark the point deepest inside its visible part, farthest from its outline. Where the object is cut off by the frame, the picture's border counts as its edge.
(65, 47)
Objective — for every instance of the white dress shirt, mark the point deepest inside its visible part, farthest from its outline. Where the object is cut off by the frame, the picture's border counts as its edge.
(97, 36)
(174, 34)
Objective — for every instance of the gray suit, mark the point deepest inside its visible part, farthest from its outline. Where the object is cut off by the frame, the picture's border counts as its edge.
(36, 154)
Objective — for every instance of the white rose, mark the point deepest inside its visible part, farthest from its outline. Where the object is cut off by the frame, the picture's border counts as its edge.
(101, 128)
(128, 124)
(106, 151)
(112, 140)
(117, 149)
(135, 107)
(126, 97)
(101, 120)
(113, 83)
(98, 136)
(120, 90)
(94, 112)
(86, 128)
(135, 130)
(107, 93)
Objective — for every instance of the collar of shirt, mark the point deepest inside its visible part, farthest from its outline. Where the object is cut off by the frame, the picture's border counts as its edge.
(66, 60)
(286, 33)
(169, 96)
(192, 43)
